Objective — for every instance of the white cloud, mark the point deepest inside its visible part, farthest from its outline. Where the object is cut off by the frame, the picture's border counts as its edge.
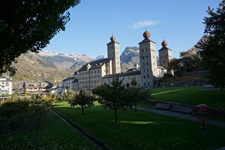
(141, 24)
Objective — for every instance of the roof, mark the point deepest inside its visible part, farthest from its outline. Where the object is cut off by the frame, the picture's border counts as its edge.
(69, 78)
(132, 69)
(129, 73)
(165, 48)
(146, 40)
(6, 79)
(94, 64)
(75, 81)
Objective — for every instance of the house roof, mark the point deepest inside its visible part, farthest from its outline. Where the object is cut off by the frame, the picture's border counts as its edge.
(129, 73)
(94, 64)
(75, 81)
(69, 78)
(6, 79)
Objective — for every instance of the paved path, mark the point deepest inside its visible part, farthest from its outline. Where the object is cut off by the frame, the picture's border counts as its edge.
(181, 115)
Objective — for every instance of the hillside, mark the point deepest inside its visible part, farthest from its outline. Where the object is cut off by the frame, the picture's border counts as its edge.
(33, 67)
(65, 61)
(56, 66)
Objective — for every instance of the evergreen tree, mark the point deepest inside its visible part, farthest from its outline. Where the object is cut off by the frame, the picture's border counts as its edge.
(213, 49)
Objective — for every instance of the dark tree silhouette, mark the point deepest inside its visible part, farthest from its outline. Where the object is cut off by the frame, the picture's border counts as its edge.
(27, 25)
(213, 52)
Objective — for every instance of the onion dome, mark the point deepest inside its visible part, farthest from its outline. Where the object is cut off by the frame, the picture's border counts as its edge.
(113, 39)
(164, 43)
(146, 35)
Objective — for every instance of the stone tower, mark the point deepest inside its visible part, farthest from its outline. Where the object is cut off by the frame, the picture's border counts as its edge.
(165, 55)
(148, 61)
(113, 49)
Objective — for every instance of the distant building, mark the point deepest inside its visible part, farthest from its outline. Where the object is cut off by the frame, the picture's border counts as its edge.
(57, 90)
(5, 86)
(71, 82)
(35, 87)
(105, 70)
(165, 55)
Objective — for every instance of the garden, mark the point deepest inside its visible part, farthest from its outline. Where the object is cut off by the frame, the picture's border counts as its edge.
(133, 130)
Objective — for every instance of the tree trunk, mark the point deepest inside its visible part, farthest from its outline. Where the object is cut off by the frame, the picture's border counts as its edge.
(135, 106)
(115, 111)
(82, 109)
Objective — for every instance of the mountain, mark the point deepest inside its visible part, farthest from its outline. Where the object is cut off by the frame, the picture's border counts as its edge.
(32, 67)
(99, 57)
(65, 61)
(54, 67)
(129, 58)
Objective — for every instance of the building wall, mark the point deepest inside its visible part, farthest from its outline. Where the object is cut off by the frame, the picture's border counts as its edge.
(126, 80)
(113, 49)
(165, 56)
(95, 77)
(35, 87)
(5, 86)
(148, 62)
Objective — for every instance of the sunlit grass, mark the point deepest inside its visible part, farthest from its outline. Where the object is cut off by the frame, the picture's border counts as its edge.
(191, 95)
(165, 92)
(143, 130)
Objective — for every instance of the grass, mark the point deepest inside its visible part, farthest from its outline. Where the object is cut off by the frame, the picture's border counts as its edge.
(191, 95)
(142, 130)
(57, 135)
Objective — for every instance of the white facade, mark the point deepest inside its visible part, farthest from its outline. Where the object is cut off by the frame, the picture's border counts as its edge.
(35, 87)
(165, 55)
(57, 91)
(68, 82)
(105, 70)
(113, 49)
(5, 86)
(148, 61)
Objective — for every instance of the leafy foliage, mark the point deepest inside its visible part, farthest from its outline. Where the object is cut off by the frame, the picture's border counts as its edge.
(213, 53)
(14, 115)
(189, 61)
(29, 25)
(68, 95)
(112, 96)
(84, 99)
(135, 95)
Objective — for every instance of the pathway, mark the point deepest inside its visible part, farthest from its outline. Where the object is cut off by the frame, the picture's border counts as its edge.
(181, 115)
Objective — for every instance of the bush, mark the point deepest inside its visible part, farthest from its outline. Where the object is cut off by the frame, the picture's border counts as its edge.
(14, 115)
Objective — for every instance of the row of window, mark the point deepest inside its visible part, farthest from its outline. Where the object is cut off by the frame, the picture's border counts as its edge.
(148, 63)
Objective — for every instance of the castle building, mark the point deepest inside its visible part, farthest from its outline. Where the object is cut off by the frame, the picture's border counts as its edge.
(105, 70)
(148, 61)
(165, 55)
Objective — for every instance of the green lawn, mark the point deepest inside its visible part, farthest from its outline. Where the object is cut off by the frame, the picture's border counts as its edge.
(143, 130)
(57, 135)
(191, 95)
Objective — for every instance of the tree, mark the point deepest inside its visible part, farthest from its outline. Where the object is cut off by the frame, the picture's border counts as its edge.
(112, 96)
(68, 95)
(29, 26)
(213, 53)
(175, 65)
(190, 60)
(136, 95)
(133, 82)
(84, 99)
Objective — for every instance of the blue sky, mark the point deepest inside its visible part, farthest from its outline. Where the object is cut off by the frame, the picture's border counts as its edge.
(179, 22)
